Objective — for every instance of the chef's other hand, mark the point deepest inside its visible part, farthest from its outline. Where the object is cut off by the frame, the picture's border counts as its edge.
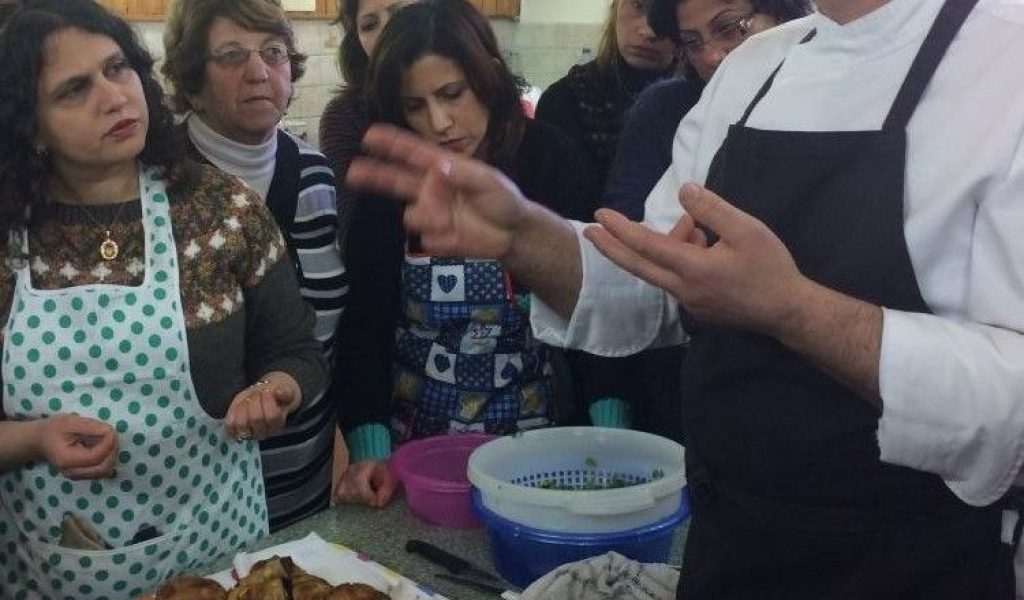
(747, 278)
(261, 409)
(458, 205)
(367, 482)
(80, 447)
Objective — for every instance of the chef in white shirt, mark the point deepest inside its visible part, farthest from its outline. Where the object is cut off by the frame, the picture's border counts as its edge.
(852, 277)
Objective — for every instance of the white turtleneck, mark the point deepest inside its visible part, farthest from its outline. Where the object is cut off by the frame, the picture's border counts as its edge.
(252, 164)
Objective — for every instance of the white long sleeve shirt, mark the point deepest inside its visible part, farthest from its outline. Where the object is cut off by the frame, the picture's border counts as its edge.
(952, 382)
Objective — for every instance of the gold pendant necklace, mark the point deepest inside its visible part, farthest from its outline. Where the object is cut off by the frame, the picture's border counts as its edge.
(108, 247)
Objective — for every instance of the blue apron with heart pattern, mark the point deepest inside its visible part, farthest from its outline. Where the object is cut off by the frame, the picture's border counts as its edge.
(466, 359)
(118, 354)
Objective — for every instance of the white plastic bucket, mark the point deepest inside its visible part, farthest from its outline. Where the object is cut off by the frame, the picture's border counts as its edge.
(514, 474)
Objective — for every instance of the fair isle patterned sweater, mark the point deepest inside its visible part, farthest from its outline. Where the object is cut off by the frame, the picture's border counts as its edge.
(239, 298)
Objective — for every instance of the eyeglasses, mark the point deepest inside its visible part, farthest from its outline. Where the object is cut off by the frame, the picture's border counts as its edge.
(272, 54)
(728, 33)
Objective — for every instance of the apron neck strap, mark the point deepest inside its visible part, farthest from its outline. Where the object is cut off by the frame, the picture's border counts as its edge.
(947, 24)
(768, 84)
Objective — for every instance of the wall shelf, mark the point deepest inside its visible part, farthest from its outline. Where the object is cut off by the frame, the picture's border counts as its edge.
(156, 10)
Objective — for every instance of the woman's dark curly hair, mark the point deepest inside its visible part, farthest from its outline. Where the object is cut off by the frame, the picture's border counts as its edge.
(24, 171)
(661, 16)
(456, 30)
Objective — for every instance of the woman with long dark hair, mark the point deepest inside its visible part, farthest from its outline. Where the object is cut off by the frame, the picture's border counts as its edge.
(434, 345)
(150, 335)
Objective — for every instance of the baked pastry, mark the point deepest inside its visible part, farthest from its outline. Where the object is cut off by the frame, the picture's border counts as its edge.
(265, 581)
(305, 586)
(191, 588)
(273, 579)
(356, 591)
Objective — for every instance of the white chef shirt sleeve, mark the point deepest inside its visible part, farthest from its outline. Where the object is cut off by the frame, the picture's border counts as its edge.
(618, 314)
(953, 386)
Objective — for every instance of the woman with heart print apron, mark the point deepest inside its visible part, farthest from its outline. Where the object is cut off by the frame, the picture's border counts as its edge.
(129, 431)
(428, 344)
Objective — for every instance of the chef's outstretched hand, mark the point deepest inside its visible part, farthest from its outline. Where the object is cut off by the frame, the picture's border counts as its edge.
(262, 408)
(747, 278)
(367, 482)
(79, 447)
(458, 206)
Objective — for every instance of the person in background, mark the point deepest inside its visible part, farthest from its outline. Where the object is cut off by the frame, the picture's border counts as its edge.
(590, 104)
(232, 65)
(591, 101)
(436, 345)
(344, 120)
(853, 396)
(342, 127)
(705, 31)
(150, 331)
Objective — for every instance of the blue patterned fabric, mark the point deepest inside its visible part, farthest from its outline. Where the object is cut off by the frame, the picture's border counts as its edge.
(466, 359)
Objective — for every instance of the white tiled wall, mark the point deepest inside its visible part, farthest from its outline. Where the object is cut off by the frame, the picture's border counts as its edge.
(542, 53)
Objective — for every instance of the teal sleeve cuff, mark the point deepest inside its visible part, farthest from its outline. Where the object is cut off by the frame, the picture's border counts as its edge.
(369, 442)
(610, 412)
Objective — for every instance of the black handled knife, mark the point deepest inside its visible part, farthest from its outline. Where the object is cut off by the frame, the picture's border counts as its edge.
(454, 564)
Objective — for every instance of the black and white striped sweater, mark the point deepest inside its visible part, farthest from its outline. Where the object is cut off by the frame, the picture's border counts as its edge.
(302, 198)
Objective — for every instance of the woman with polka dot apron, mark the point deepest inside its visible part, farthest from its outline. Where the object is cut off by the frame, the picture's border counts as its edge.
(96, 346)
(130, 279)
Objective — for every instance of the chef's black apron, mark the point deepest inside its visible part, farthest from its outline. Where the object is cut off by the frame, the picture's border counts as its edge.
(789, 497)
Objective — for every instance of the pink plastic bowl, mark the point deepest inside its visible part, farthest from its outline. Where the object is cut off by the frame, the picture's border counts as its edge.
(433, 472)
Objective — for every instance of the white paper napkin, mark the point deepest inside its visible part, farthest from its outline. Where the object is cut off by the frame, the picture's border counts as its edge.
(334, 563)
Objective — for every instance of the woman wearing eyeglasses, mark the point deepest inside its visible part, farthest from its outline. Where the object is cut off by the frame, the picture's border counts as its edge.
(705, 31)
(708, 30)
(232, 65)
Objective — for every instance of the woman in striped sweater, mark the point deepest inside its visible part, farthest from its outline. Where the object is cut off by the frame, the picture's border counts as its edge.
(232, 65)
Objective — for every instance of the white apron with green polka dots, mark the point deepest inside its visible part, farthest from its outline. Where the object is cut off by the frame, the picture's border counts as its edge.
(119, 354)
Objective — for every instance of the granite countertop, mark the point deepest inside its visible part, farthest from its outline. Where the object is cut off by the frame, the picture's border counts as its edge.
(381, 534)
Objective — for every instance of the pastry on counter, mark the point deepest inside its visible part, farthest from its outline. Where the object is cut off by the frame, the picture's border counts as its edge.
(305, 586)
(266, 581)
(191, 588)
(275, 578)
